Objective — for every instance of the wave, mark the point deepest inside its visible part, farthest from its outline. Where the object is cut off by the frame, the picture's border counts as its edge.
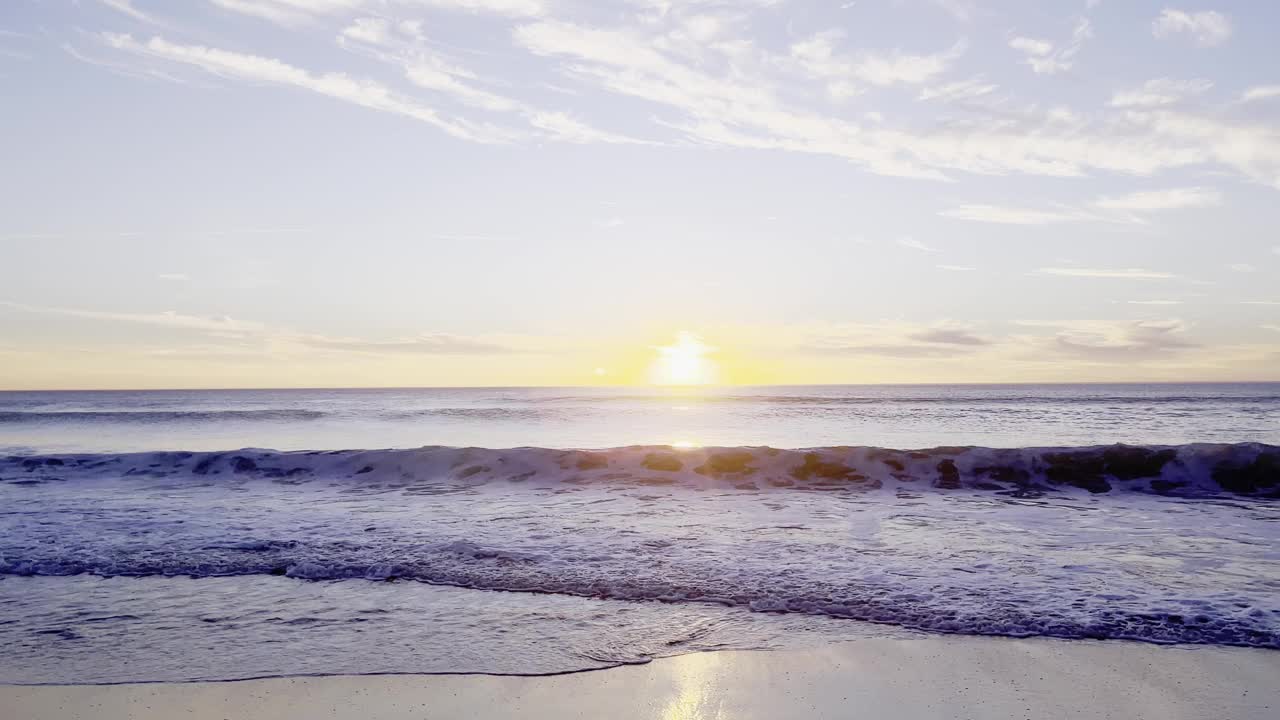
(1194, 470)
(936, 607)
(155, 416)
(941, 539)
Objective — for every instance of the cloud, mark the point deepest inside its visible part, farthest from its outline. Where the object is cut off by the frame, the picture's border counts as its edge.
(436, 344)
(433, 73)
(281, 12)
(895, 340)
(1031, 46)
(1242, 267)
(1121, 342)
(955, 268)
(297, 12)
(177, 277)
(1174, 198)
(1155, 302)
(126, 7)
(1207, 29)
(950, 336)
(893, 351)
(818, 57)
(509, 8)
(1171, 199)
(402, 45)
(1160, 91)
(561, 126)
(1261, 92)
(1123, 273)
(974, 87)
(962, 10)
(1040, 55)
(340, 86)
(372, 30)
(222, 325)
(230, 329)
(914, 244)
(732, 91)
(1013, 215)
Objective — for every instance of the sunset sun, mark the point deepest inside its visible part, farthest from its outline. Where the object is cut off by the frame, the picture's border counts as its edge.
(683, 362)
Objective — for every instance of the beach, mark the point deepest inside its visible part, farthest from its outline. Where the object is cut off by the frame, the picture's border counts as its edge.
(928, 677)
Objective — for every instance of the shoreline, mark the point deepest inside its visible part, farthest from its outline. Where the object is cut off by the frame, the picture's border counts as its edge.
(901, 679)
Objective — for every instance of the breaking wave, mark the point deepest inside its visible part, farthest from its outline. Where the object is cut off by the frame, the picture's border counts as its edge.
(1195, 470)
(1170, 544)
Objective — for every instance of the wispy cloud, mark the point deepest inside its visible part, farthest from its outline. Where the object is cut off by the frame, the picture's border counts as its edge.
(1155, 302)
(710, 81)
(1261, 92)
(1006, 215)
(126, 7)
(222, 325)
(1120, 341)
(950, 335)
(436, 344)
(913, 244)
(1170, 199)
(1031, 46)
(228, 328)
(974, 87)
(1242, 267)
(510, 8)
(283, 12)
(1119, 273)
(820, 57)
(1207, 28)
(291, 13)
(565, 128)
(176, 277)
(340, 86)
(1160, 91)
(1113, 208)
(956, 268)
(404, 46)
(1041, 55)
(895, 340)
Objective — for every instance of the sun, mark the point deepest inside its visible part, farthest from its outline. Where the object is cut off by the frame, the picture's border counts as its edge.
(683, 362)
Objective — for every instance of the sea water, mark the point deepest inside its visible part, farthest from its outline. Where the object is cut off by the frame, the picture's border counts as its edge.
(227, 534)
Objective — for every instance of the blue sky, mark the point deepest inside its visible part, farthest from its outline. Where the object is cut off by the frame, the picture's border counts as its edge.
(459, 192)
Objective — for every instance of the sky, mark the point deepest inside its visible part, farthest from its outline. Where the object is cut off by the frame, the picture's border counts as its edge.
(318, 193)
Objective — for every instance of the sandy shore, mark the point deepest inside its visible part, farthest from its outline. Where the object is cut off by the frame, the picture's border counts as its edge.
(939, 677)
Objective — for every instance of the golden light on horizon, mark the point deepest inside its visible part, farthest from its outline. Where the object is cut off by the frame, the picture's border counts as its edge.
(683, 362)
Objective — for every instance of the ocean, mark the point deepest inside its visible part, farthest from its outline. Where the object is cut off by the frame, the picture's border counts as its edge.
(212, 535)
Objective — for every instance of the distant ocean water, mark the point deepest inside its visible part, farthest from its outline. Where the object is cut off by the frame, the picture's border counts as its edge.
(221, 534)
(896, 416)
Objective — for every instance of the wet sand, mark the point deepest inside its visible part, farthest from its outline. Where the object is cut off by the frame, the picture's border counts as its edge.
(932, 677)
